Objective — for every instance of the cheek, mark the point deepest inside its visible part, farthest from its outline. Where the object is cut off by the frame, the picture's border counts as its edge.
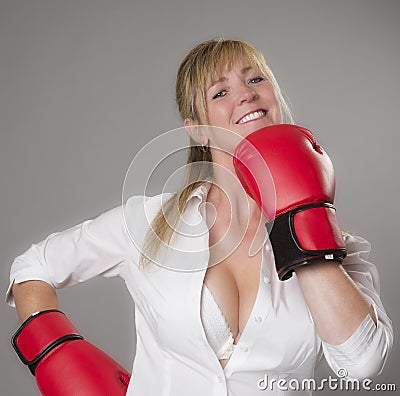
(277, 115)
(274, 106)
(214, 114)
(269, 92)
(219, 113)
(272, 97)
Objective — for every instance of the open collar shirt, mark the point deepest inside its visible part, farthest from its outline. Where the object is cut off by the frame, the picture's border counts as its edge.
(279, 347)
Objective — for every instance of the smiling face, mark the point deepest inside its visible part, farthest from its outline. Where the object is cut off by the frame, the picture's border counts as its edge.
(227, 84)
(242, 100)
(239, 99)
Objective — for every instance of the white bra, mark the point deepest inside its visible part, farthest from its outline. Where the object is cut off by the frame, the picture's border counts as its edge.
(218, 332)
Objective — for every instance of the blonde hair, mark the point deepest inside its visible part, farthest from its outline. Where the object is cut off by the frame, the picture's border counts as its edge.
(197, 69)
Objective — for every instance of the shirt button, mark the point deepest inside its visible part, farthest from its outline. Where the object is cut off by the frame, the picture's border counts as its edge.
(267, 248)
(244, 348)
(219, 379)
(258, 319)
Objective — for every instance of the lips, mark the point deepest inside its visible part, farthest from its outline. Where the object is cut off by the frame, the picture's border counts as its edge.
(252, 115)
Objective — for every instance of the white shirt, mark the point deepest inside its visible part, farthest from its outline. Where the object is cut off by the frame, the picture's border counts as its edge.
(173, 356)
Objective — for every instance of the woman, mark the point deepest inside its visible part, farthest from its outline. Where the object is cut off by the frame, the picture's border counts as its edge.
(226, 318)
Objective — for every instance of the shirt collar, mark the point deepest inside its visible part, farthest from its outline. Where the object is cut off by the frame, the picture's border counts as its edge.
(200, 192)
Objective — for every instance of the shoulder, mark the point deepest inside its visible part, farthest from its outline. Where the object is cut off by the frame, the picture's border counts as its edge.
(141, 208)
(138, 213)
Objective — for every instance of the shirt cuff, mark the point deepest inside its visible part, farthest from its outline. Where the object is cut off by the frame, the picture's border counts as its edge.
(363, 354)
(349, 351)
(15, 279)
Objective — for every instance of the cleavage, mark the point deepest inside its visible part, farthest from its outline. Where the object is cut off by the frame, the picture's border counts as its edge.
(234, 283)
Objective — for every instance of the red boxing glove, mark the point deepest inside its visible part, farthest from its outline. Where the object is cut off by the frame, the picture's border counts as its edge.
(284, 163)
(63, 362)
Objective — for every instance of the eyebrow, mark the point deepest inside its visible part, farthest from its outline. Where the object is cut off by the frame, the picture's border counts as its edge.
(221, 79)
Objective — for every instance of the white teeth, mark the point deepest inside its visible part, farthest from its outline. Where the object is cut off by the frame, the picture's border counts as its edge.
(252, 116)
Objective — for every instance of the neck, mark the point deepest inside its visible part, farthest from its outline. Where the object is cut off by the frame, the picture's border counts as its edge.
(236, 216)
(226, 192)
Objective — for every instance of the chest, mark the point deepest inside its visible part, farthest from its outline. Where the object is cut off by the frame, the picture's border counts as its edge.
(233, 272)
(269, 318)
(234, 283)
(273, 326)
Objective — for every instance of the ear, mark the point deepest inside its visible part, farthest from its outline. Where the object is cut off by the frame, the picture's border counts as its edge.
(195, 131)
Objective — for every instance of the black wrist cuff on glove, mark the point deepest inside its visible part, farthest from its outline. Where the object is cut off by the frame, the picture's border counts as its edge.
(286, 247)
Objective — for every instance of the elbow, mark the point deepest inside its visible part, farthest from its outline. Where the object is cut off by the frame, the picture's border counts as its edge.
(363, 361)
(369, 365)
(368, 370)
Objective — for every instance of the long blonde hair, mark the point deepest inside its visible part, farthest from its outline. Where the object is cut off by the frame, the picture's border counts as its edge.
(197, 69)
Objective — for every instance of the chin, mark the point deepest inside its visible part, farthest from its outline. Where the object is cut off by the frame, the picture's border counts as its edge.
(255, 127)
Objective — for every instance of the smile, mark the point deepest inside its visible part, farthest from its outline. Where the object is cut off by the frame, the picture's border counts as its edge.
(255, 115)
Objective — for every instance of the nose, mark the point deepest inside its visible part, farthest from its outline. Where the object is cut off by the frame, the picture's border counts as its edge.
(247, 94)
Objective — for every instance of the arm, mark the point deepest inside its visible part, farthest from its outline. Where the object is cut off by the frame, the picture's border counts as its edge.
(47, 341)
(33, 296)
(42, 328)
(340, 287)
(336, 304)
(94, 247)
(348, 313)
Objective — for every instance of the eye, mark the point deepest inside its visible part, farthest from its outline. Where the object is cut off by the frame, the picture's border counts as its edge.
(220, 94)
(256, 80)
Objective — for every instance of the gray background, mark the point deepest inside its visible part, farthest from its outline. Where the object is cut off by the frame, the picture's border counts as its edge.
(85, 84)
